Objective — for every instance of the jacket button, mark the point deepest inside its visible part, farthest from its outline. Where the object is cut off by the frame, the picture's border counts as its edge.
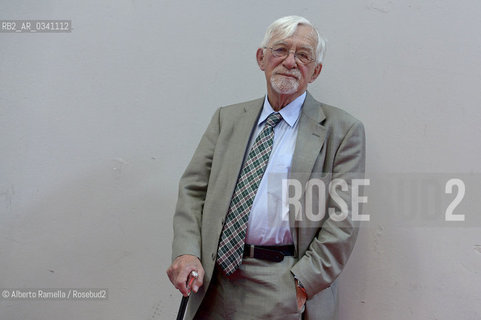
(213, 256)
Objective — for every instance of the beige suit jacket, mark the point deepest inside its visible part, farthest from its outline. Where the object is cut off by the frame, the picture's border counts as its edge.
(330, 144)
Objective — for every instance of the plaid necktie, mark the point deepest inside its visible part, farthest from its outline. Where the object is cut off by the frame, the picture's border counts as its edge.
(231, 245)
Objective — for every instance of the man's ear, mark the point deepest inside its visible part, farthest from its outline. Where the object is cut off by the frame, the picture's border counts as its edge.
(317, 71)
(260, 58)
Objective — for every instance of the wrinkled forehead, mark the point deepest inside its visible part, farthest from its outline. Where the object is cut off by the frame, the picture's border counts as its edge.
(304, 33)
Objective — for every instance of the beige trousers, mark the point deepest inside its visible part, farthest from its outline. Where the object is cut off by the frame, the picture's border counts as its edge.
(258, 290)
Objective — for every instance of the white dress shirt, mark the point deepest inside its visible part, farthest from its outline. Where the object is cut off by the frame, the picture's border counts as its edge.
(269, 220)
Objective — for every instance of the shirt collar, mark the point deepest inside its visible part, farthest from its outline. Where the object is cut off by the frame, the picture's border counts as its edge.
(289, 113)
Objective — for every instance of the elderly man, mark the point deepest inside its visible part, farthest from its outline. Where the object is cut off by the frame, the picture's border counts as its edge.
(258, 252)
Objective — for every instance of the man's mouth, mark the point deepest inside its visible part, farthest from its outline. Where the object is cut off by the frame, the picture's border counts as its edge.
(287, 75)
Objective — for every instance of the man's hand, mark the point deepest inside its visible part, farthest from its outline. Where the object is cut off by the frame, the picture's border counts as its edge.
(301, 296)
(180, 269)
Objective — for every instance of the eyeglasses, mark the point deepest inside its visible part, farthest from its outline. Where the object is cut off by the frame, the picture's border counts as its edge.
(301, 56)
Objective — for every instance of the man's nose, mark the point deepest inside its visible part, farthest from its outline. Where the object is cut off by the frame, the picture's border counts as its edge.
(290, 61)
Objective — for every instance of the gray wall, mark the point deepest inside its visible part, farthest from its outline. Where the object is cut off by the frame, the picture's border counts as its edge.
(97, 125)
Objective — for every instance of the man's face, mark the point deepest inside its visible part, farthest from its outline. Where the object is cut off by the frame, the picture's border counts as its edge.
(287, 76)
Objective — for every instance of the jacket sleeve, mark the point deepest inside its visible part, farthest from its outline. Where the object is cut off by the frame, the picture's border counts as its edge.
(192, 191)
(329, 251)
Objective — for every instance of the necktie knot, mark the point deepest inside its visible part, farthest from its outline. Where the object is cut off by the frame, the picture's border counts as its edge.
(273, 119)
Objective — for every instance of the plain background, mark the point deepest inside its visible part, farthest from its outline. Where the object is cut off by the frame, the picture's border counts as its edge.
(97, 125)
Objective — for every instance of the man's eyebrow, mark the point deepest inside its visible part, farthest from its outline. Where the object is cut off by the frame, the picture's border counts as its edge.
(279, 42)
(306, 48)
(282, 42)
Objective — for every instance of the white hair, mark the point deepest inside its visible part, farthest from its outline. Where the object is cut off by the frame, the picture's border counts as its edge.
(286, 26)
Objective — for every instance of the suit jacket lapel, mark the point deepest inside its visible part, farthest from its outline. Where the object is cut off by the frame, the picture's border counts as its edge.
(242, 128)
(310, 139)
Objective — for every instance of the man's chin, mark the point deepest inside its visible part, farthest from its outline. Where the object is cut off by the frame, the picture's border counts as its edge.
(285, 92)
(285, 87)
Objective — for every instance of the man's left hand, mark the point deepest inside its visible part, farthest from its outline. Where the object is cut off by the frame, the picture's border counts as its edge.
(301, 296)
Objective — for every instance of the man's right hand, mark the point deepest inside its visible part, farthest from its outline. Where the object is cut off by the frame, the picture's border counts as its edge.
(180, 269)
